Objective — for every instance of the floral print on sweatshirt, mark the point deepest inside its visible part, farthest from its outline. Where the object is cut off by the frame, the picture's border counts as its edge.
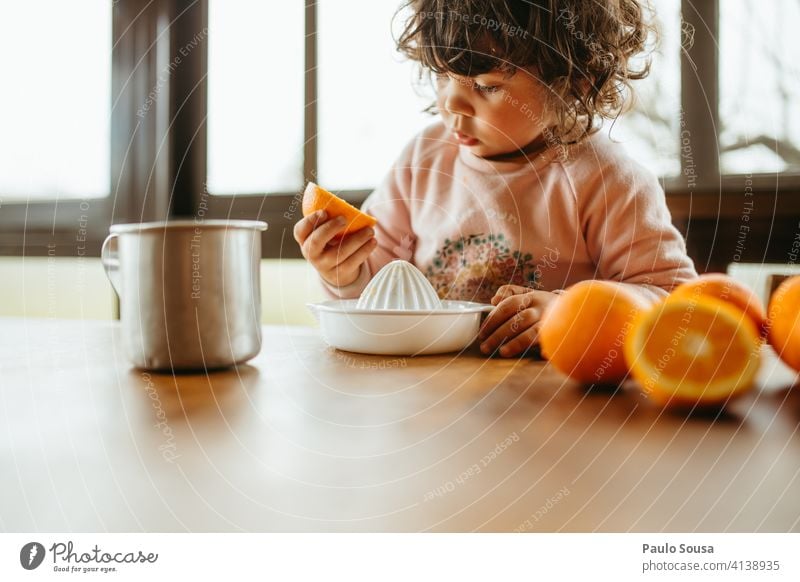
(473, 267)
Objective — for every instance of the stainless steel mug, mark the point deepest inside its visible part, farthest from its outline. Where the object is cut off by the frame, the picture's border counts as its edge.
(190, 291)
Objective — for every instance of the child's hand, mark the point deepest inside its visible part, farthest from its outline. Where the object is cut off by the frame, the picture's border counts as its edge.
(339, 261)
(514, 323)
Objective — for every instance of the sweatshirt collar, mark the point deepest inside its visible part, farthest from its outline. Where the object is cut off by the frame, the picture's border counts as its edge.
(535, 162)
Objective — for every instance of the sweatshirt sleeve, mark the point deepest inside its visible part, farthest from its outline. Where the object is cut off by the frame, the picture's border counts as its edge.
(629, 232)
(389, 204)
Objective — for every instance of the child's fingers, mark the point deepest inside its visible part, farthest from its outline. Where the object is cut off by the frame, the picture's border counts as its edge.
(316, 243)
(351, 243)
(512, 327)
(524, 341)
(505, 310)
(336, 254)
(509, 290)
(497, 317)
(353, 263)
(306, 226)
(506, 291)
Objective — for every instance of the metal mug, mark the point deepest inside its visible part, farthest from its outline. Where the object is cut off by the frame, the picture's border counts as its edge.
(190, 291)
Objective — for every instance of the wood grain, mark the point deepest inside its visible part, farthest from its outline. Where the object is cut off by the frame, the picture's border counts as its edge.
(305, 438)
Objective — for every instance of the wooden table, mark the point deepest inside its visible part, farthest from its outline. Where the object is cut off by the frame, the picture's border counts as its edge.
(306, 438)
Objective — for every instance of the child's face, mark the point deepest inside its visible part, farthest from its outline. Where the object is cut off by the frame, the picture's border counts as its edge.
(493, 114)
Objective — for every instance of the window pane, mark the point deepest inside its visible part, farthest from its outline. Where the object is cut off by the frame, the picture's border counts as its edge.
(368, 105)
(759, 86)
(651, 130)
(255, 96)
(55, 104)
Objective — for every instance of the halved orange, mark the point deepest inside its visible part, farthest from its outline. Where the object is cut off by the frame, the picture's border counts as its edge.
(728, 289)
(316, 198)
(693, 352)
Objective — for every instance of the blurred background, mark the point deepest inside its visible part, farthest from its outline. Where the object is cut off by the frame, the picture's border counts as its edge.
(133, 110)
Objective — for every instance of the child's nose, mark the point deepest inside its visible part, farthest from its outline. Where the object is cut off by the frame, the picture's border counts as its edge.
(458, 106)
(456, 102)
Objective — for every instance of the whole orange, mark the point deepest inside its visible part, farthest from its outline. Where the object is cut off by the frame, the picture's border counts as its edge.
(316, 198)
(583, 331)
(784, 321)
(727, 289)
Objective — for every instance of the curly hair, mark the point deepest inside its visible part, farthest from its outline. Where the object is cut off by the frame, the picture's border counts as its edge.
(583, 50)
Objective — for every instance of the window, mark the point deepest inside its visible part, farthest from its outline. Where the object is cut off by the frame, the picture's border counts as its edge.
(55, 106)
(650, 131)
(759, 76)
(732, 116)
(369, 103)
(255, 96)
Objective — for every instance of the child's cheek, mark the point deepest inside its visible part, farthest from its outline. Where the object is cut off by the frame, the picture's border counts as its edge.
(509, 123)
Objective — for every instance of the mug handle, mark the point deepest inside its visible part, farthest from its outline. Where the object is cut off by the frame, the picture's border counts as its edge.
(109, 255)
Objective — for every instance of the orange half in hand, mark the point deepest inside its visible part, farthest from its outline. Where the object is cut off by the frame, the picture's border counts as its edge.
(316, 198)
(693, 352)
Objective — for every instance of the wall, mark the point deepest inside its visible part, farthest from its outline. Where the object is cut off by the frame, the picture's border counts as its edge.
(66, 287)
(72, 288)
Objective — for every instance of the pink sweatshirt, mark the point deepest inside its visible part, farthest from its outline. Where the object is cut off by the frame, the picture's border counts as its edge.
(472, 225)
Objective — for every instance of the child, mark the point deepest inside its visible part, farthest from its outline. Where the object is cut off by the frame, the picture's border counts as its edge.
(513, 195)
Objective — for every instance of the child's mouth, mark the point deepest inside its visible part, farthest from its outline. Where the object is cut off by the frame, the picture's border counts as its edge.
(464, 139)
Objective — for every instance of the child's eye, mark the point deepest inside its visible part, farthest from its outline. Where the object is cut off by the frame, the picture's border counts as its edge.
(486, 88)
